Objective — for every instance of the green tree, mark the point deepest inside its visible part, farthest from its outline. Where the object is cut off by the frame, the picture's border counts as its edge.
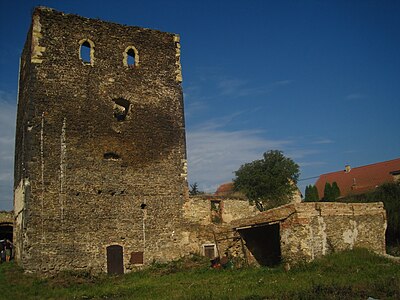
(194, 190)
(315, 193)
(311, 194)
(307, 193)
(328, 195)
(270, 181)
(335, 191)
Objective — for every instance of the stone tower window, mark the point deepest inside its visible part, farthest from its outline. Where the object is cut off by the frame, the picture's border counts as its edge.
(131, 57)
(86, 51)
(121, 108)
(111, 156)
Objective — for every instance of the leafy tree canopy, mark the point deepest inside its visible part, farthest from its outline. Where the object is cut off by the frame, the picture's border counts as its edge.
(270, 181)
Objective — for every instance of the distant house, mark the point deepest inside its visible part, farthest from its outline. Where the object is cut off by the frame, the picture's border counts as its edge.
(359, 180)
(224, 189)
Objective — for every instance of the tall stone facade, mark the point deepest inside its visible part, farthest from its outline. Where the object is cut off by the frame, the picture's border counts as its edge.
(100, 164)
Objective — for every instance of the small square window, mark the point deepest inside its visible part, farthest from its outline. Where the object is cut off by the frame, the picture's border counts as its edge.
(136, 258)
(209, 251)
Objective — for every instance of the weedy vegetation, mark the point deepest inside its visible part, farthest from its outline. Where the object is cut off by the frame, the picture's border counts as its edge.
(356, 274)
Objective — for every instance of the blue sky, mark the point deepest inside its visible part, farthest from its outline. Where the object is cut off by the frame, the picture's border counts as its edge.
(319, 80)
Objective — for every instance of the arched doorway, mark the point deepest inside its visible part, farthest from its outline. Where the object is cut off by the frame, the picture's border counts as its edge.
(6, 231)
(115, 259)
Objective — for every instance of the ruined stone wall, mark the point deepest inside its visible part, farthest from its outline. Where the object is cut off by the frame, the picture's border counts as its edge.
(313, 229)
(100, 144)
(198, 209)
(198, 228)
(317, 229)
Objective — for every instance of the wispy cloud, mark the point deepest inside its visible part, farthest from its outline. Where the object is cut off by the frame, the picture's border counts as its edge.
(312, 163)
(194, 107)
(220, 122)
(355, 96)
(7, 133)
(297, 153)
(231, 86)
(323, 141)
(214, 153)
(234, 87)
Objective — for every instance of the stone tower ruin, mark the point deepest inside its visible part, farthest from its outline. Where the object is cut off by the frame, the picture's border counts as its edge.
(100, 156)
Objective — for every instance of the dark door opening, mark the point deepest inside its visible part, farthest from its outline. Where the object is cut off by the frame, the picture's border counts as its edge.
(264, 243)
(6, 231)
(115, 260)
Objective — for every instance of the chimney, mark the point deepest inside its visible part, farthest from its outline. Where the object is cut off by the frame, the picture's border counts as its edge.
(347, 168)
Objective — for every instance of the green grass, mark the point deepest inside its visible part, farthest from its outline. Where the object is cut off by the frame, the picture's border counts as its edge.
(355, 274)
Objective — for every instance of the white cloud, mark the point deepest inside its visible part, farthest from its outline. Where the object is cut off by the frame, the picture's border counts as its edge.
(240, 88)
(230, 86)
(355, 96)
(214, 154)
(323, 141)
(311, 163)
(7, 133)
(194, 107)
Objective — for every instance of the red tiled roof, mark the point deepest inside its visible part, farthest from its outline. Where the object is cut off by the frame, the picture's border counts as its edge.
(224, 189)
(361, 179)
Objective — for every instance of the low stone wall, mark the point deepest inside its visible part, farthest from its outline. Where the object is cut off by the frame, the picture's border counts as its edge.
(310, 230)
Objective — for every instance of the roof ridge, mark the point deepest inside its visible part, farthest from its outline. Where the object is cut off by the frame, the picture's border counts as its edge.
(386, 161)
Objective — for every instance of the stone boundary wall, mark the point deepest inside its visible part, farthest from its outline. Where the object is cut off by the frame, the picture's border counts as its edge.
(310, 230)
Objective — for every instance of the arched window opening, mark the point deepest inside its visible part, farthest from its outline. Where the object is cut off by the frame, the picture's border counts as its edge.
(121, 109)
(86, 51)
(131, 57)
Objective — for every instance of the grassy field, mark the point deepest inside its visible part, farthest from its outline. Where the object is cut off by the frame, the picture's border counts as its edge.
(355, 274)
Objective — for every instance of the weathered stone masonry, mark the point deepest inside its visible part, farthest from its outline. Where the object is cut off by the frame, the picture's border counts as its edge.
(100, 145)
(305, 231)
(100, 163)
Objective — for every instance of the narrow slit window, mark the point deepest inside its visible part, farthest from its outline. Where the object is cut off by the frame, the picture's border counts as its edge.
(111, 156)
(131, 58)
(85, 52)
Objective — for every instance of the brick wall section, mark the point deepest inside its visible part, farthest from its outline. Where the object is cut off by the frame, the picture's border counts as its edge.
(73, 201)
(310, 230)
